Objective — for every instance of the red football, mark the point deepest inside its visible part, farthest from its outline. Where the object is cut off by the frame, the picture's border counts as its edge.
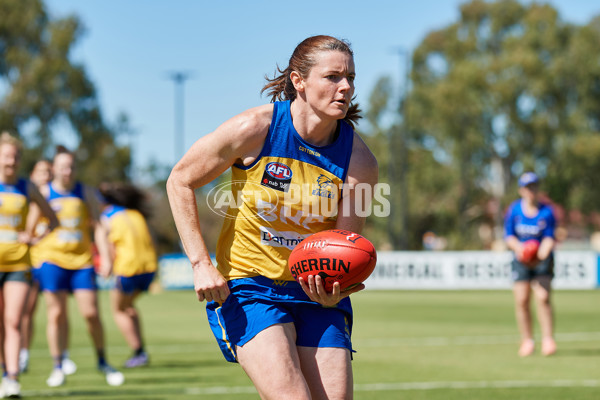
(335, 255)
(530, 249)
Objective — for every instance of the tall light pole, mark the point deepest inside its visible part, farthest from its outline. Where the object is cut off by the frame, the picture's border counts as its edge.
(179, 78)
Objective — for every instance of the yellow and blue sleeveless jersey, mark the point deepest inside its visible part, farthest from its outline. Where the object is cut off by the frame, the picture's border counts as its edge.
(134, 250)
(34, 251)
(14, 204)
(289, 192)
(69, 245)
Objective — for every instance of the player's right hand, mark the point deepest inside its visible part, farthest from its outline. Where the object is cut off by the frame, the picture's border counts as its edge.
(209, 283)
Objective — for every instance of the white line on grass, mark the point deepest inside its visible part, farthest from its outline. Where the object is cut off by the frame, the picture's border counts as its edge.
(366, 387)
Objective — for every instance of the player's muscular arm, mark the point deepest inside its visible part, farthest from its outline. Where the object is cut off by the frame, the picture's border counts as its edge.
(237, 140)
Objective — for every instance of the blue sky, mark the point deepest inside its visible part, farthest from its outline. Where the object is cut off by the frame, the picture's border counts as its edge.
(130, 47)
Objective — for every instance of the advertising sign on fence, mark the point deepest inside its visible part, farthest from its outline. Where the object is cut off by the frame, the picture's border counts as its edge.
(474, 270)
(449, 270)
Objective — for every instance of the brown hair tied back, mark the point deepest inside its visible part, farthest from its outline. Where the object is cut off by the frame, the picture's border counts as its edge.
(280, 87)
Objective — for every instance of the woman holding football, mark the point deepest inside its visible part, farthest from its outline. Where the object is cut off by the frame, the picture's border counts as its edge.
(292, 339)
(527, 219)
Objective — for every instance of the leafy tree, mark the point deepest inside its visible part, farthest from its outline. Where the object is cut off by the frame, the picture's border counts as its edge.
(42, 87)
(431, 190)
(506, 88)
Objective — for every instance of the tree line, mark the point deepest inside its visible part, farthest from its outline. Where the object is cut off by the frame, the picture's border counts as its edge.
(507, 88)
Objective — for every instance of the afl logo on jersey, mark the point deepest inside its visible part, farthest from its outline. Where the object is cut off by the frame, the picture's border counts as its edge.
(277, 176)
(279, 171)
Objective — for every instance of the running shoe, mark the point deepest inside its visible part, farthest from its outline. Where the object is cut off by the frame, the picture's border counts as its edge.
(113, 377)
(23, 360)
(527, 348)
(141, 360)
(548, 346)
(11, 389)
(68, 366)
(56, 378)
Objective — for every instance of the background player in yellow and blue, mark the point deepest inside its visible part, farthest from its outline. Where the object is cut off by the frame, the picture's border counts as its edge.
(527, 218)
(16, 234)
(67, 263)
(133, 258)
(40, 175)
(292, 339)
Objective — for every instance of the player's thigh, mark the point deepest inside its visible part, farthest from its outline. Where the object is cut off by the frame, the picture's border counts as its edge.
(87, 302)
(271, 361)
(328, 372)
(16, 294)
(521, 292)
(120, 300)
(541, 286)
(56, 303)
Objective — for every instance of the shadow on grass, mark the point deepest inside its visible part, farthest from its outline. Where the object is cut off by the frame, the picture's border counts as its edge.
(577, 353)
(187, 364)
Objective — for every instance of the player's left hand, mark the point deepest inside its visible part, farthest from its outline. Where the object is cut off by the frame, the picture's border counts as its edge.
(24, 237)
(315, 290)
(105, 268)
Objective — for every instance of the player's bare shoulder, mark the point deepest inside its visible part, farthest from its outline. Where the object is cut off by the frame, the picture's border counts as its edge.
(363, 164)
(253, 123)
(247, 132)
(45, 190)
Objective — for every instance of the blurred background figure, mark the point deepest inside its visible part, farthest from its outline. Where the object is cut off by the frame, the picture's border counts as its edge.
(134, 261)
(15, 237)
(40, 175)
(67, 263)
(431, 241)
(529, 219)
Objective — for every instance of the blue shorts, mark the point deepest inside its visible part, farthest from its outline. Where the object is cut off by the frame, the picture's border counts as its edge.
(522, 272)
(258, 303)
(54, 278)
(35, 275)
(130, 284)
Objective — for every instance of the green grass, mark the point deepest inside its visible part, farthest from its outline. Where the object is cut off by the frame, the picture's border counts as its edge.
(410, 345)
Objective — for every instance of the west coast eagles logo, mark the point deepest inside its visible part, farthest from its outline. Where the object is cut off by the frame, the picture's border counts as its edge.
(325, 187)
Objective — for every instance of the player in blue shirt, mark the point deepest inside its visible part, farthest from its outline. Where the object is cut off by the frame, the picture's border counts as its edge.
(527, 219)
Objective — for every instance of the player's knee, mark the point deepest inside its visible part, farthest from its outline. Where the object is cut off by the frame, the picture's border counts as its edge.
(543, 298)
(56, 315)
(91, 316)
(522, 301)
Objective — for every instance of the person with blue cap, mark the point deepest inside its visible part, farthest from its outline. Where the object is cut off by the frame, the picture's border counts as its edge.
(527, 220)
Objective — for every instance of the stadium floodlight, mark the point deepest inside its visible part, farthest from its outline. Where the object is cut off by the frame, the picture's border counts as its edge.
(179, 78)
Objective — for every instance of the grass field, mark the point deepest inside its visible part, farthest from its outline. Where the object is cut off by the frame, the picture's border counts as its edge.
(410, 345)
